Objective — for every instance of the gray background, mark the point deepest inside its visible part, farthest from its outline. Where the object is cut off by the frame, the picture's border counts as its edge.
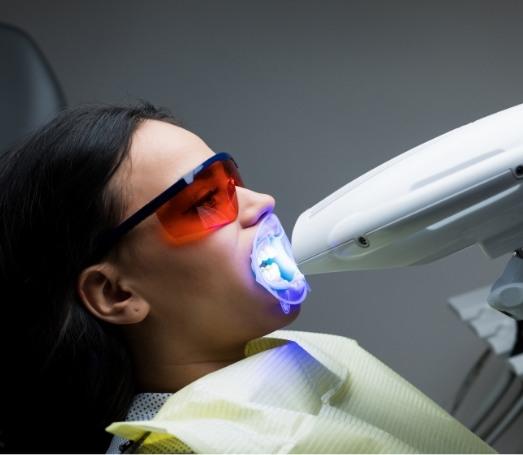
(308, 95)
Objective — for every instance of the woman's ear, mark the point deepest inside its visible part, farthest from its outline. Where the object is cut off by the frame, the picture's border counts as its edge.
(104, 296)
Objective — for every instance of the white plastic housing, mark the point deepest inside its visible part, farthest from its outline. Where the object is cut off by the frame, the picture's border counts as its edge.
(461, 188)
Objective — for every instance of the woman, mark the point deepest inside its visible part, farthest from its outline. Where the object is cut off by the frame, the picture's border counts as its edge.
(110, 289)
(80, 175)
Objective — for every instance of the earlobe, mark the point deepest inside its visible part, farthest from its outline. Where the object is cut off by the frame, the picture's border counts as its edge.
(103, 295)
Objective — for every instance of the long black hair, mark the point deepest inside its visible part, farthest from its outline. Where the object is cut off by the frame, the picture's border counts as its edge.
(65, 374)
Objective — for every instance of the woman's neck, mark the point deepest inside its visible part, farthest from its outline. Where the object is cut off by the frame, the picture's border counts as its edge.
(163, 363)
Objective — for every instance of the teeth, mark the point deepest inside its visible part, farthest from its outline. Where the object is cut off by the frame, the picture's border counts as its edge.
(262, 256)
(267, 252)
(271, 272)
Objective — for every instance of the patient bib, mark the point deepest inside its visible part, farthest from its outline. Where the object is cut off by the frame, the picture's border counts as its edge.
(302, 392)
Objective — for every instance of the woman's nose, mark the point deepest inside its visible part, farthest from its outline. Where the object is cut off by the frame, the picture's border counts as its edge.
(252, 206)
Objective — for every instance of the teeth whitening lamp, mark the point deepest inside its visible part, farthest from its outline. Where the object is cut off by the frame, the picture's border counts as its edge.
(459, 189)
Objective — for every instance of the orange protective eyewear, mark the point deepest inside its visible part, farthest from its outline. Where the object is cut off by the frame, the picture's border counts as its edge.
(202, 201)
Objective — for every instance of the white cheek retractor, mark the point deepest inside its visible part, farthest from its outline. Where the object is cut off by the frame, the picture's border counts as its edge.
(273, 264)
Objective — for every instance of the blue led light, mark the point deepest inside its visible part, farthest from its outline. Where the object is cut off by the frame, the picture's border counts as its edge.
(274, 266)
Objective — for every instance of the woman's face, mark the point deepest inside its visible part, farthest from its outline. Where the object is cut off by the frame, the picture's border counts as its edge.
(204, 290)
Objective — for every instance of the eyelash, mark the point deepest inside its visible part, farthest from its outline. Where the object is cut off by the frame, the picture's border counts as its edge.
(207, 197)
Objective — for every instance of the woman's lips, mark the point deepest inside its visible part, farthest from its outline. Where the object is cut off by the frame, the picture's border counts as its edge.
(274, 266)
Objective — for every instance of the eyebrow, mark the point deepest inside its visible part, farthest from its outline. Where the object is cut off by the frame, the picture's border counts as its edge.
(206, 173)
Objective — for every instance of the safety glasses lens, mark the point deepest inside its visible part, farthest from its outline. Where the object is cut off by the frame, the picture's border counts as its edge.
(203, 206)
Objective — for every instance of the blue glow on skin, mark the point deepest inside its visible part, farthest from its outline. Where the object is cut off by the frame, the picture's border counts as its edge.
(273, 264)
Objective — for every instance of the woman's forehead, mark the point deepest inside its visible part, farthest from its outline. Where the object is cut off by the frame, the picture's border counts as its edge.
(160, 154)
(157, 144)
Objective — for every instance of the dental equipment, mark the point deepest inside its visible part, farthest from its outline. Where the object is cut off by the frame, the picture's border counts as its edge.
(459, 189)
(274, 267)
(501, 333)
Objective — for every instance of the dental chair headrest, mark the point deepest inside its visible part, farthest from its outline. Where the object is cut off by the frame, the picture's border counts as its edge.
(29, 91)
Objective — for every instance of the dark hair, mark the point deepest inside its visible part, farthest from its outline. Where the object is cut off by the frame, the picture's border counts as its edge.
(65, 374)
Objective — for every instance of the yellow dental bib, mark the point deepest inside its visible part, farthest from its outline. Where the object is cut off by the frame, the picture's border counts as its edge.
(302, 392)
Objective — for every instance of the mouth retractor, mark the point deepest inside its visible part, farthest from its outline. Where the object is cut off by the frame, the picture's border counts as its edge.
(274, 266)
